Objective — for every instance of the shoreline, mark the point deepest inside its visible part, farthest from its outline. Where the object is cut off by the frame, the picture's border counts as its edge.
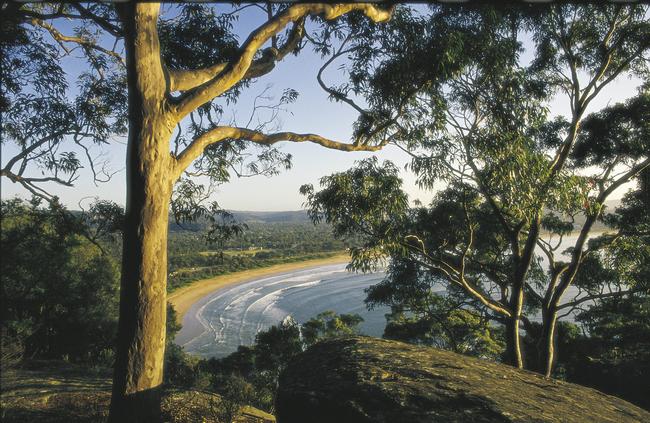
(183, 299)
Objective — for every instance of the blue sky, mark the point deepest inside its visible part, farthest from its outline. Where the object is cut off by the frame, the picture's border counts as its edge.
(312, 112)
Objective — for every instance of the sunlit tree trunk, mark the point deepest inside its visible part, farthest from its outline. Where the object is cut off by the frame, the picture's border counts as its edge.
(522, 263)
(550, 310)
(514, 356)
(549, 340)
(141, 334)
(152, 172)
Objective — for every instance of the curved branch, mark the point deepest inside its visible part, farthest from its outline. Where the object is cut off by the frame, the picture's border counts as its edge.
(105, 24)
(331, 91)
(28, 150)
(184, 79)
(84, 42)
(30, 184)
(578, 252)
(594, 297)
(470, 288)
(236, 70)
(221, 133)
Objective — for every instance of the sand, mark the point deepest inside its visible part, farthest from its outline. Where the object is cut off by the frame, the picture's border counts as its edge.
(184, 298)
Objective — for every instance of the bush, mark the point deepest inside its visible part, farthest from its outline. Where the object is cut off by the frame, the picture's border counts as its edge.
(60, 291)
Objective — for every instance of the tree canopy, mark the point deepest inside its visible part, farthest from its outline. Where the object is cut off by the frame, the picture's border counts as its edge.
(518, 182)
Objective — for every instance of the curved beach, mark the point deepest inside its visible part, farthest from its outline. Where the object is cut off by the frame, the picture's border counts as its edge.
(221, 314)
(188, 296)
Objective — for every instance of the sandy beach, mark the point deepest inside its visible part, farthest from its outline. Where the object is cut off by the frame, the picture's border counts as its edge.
(184, 298)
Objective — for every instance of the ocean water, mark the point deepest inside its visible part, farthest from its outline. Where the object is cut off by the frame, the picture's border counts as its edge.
(233, 316)
(220, 322)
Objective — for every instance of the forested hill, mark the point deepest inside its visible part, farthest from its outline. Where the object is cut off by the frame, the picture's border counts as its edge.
(297, 216)
(248, 217)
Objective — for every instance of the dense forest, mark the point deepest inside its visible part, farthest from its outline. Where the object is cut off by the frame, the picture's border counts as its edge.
(504, 116)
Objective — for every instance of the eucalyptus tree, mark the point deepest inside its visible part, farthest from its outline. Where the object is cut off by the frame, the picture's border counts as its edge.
(512, 173)
(163, 77)
(487, 65)
(608, 347)
(52, 127)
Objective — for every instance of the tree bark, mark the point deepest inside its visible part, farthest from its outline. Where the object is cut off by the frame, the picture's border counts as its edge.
(141, 332)
(522, 264)
(549, 340)
(514, 357)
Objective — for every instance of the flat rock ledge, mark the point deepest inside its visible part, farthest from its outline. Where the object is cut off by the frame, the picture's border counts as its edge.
(363, 379)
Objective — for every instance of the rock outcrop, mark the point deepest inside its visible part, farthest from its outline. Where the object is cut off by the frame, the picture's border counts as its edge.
(361, 379)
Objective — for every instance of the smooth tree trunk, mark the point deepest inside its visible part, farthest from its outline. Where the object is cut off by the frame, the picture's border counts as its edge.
(521, 275)
(522, 262)
(549, 341)
(514, 356)
(549, 313)
(151, 174)
(138, 372)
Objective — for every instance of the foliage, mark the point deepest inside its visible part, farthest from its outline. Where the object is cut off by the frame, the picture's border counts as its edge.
(444, 320)
(235, 394)
(274, 346)
(180, 368)
(329, 325)
(614, 352)
(362, 201)
(59, 291)
(511, 173)
(614, 356)
(54, 126)
(250, 374)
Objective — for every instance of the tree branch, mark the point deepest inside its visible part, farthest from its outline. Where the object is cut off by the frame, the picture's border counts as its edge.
(221, 133)
(576, 257)
(237, 70)
(25, 152)
(183, 79)
(592, 297)
(84, 42)
(30, 183)
(111, 28)
(331, 91)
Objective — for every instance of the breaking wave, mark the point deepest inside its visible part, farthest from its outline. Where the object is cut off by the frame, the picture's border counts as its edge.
(233, 316)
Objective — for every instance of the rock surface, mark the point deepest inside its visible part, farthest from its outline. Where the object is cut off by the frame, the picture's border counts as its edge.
(362, 379)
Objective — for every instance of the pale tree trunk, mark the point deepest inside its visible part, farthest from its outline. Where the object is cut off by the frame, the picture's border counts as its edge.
(522, 264)
(514, 357)
(141, 333)
(549, 341)
(152, 172)
(549, 312)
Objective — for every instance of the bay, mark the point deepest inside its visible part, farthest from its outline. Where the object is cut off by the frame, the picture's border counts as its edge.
(234, 315)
